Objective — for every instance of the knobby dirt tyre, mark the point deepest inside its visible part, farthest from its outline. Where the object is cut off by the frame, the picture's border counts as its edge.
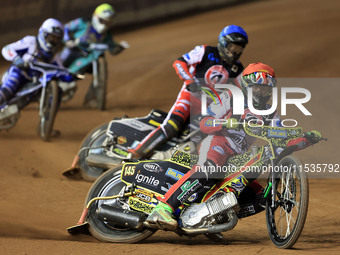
(93, 139)
(49, 111)
(286, 220)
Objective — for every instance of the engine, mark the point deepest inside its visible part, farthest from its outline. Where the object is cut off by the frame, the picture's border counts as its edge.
(216, 210)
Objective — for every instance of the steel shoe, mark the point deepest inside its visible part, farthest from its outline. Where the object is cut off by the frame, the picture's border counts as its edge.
(161, 217)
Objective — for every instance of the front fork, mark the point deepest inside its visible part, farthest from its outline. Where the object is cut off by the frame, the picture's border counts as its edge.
(95, 73)
(270, 188)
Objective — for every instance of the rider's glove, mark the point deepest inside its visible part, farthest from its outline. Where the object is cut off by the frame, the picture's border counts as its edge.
(313, 136)
(20, 63)
(231, 124)
(71, 44)
(194, 86)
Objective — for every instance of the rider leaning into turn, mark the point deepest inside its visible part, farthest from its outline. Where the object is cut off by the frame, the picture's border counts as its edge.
(43, 47)
(208, 64)
(81, 32)
(224, 141)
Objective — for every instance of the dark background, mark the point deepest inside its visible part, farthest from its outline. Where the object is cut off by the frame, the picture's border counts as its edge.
(21, 17)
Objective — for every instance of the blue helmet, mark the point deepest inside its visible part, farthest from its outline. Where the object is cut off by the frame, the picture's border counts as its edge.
(231, 42)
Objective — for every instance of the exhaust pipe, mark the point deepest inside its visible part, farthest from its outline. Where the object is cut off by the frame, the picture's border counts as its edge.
(121, 217)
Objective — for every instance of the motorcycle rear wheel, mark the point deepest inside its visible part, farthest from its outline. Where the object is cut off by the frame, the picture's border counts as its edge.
(285, 221)
(49, 111)
(102, 84)
(110, 184)
(94, 139)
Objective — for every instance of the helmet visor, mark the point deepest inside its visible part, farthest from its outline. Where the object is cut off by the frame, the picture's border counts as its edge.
(262, 90)
(52, 39)
(234, 49)
(105, 21)
(230, 52)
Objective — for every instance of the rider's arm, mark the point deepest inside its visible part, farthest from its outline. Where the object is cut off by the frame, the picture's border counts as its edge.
(188, 61)
(74, 30)
(25, 48)
(74, 27)
(21, 52)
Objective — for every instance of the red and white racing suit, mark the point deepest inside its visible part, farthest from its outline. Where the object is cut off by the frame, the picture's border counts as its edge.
(203, 63)
(215, 150)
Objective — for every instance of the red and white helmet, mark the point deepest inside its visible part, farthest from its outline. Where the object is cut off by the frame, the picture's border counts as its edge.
(261, 78)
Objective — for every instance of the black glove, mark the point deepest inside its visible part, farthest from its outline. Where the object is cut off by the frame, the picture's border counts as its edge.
(313, 136)
(116, 49)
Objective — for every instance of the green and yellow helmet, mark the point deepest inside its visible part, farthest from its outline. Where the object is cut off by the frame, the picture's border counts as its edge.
(102, 18)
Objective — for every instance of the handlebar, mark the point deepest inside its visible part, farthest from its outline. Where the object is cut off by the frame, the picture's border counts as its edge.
(312, 137)
(42, 66)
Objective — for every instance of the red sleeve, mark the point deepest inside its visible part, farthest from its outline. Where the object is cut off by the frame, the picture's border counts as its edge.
(182, 70)
(208, 126)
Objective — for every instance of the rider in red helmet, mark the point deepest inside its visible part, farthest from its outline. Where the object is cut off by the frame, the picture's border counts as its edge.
(224, 141)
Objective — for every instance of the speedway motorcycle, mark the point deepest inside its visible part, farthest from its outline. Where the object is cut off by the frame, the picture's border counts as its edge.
(120, 200)
(106, 146)
(92, 60)
(44, 89)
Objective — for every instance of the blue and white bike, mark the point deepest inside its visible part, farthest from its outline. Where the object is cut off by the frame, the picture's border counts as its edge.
(44, 89)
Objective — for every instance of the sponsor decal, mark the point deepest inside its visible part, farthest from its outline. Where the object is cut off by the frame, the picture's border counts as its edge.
(166, 189)
(144, 195)
(154, 123)
(149, 180)
(187, 189)
(136, 123)
(239, 184)
(209, 123)
(192, 198)
(138, 205)
(152, 167)
(219, 149)
(121, 139)
(129, 170)
(174, 174)
(279, 150)
(120, 152)
(216, 74)
(277, 133)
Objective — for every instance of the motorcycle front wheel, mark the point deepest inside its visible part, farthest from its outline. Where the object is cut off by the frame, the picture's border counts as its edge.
(102, 84)
(49, 110)
(96, 94)
(92, 145)
(286, 211)
(110, 184)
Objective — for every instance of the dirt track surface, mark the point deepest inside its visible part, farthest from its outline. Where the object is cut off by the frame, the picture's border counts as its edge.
(297, 38)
